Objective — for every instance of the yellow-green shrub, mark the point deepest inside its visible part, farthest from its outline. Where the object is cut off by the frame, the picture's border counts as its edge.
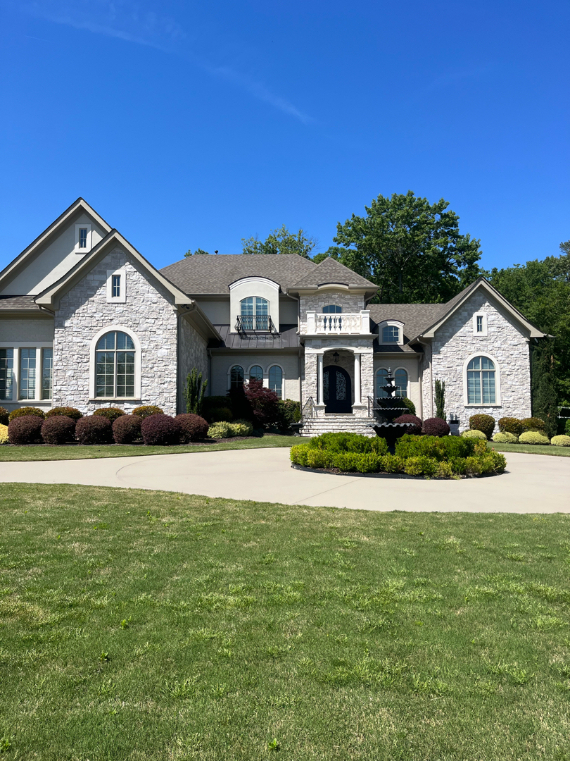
(421, 466)
(473, 434)
(503, 437)
(560, 441)
(533, 437)
(220, 431)
(298, 454)
(3, 434)
(241, 428)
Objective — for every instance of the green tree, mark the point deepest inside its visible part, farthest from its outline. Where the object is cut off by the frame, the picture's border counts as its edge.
(194, 392)
(280, 241)
(411, 249)
(197, 252)
(440, 399)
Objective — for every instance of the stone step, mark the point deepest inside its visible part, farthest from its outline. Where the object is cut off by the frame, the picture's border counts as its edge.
(337, 424)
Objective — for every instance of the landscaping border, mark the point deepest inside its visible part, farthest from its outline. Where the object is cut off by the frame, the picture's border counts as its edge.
(356, 473)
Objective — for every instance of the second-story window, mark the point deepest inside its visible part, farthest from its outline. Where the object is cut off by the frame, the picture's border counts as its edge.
(82, 237)
(390, 334)
(255, 313)
(332, 309)
(116, 286)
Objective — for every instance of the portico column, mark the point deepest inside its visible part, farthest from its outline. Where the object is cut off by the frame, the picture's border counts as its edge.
(320, 394)
(357, 399)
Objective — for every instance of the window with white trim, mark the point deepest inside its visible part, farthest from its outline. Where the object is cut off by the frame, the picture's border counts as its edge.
(47, 373)
(115, 366)
(276, 380)
(481, 381)
(381, 376)
(27, 380)
(480, 324)
(256, 373)
(390, 332)
(236, 377)
(401, 381)
(117, 286)
(254, 313)
(82, 238)
(6, 373)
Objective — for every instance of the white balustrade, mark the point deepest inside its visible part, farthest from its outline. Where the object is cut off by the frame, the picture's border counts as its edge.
(337, 324)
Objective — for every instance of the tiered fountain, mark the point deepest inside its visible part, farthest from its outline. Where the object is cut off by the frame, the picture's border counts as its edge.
(386, 410)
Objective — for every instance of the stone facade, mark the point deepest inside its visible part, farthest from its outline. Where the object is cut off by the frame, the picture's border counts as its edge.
(83, 311)
(351, 303)
(454, 343)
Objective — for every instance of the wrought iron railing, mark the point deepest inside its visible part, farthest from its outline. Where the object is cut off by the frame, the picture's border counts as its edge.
(255, 324)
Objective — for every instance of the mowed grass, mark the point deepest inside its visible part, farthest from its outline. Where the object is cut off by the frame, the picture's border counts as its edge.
(148, 625)
(77, 452)
(532, 449)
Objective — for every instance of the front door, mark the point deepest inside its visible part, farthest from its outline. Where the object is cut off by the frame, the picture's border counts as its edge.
(336, 388)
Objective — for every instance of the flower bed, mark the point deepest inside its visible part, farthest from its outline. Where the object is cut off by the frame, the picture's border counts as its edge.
(427, 456)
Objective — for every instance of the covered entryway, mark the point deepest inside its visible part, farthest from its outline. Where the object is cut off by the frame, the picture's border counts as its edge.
(337, 389)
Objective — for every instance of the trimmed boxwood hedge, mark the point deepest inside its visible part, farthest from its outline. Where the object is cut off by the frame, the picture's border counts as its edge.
(430, 456)
(435, 426)
(111, 413)
(127, 429)
(160, 430)
(483, 423)
(511, 425)
(58, 429)
(71, 412)
(26, 429)
(25, 411)
(417, 423)
(533, 424)
(147, 410)
(94, 430)
(192, 427)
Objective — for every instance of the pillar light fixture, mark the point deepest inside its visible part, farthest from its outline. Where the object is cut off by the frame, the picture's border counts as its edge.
(336, 355)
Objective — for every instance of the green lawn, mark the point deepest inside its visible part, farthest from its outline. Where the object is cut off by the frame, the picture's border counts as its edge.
(77, 452)
(532, 449)
(144, 625)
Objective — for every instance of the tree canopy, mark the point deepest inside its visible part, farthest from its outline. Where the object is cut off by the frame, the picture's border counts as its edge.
(197, 252)
(280, 241)
(410, 248)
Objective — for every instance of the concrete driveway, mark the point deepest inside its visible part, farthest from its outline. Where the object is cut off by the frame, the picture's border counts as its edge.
(532, 483)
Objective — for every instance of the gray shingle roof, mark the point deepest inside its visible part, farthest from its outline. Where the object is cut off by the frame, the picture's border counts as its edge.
(331, 271)
(213, 274)
(416, 317)
(18, 303)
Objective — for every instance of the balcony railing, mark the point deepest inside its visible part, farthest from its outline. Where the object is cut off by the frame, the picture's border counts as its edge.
(337, 324)
(255, 324)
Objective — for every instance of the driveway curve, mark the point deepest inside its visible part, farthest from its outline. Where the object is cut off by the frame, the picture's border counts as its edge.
(532, 483)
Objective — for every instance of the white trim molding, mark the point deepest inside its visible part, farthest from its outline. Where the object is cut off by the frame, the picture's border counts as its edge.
(276, 364)
(122, 297)
(87, 248)
(39, 346)
(391, 323)
(93, 364)
(483, 331)
(497, 402)
(251, 280)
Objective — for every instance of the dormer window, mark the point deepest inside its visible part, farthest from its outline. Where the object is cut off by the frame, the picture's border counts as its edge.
(254, 314)
(390, 334)
(82, 237)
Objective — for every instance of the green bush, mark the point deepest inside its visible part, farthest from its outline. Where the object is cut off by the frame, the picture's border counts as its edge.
(3, 434)
(220, 415)
(289, 413)
(483, 423)
(533, 424)
(560, 441)
(437, 447)
(474, 435)
(299, 454)
(146, 410)
(421, 466)
(533, 437)
(24, 411)
(71, 412)
(4, 416)
(502, 437)
(241, 428)
(510, 425)
(409, 404)
(393, 463)
(220, 431)
(350, 442)
(567, 428)
(111, 413)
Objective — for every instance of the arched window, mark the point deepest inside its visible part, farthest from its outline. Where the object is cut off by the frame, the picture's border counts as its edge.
(481, 382)
(390, 334)
(115, 366)
(332, 309)
(401, 381)
(236, 377)
(254, 313)
(381, 376)
(256, 373)
(276, 380)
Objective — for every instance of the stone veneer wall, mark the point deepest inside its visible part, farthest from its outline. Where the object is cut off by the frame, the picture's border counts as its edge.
(192, 352)
(350, 303)
(84, 311)
(454, 342)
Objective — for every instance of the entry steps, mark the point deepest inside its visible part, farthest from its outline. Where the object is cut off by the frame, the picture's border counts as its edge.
(331, 423)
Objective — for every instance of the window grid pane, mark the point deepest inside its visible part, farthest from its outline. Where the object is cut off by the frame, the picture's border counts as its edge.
(116, 286)
(401, 380)
(479, 323)
(47, 373)
(105, 373)
(390, 334)
(236, 376)
(473, 387)
(6, 373)
(27, 373)
(276, 381)
(82, 238)
(125, 373)
(381, 376)
(256, 373)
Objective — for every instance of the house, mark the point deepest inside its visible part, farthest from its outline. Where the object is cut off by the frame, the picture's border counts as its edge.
(86, 321)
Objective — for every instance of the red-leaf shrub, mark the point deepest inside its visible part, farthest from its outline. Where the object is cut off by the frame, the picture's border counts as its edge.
(26, 429)
(417, 429)
(530, 424)
(23, 411)
(111, 413)
(264, 404)
(147, 410)
(71, 412)
(511, 425)
(127, 429)
(4, 419)
(160, 430)
(94, 430)
(58, 429)
(192, 427)
(435, 426)
(483, 423)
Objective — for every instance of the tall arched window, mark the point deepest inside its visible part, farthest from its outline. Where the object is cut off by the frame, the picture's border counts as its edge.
(254, 313)
(276, 380)
(332, 309)
(236, 376)
(381, 376)
(401, 381)
(481, 385)
(256, 373)
(115, 366)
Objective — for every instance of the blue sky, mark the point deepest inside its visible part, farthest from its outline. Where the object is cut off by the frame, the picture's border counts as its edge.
(192, 124)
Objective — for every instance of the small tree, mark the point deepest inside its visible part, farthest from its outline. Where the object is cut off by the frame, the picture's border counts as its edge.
(194, 392)
(440, 399)
(264, 404)
(544, 400)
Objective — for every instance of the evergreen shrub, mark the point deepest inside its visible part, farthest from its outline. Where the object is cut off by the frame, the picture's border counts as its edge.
(23, 411)
(111, 413)
(421, 466)
(567, 428)
(25, 429)
(435, 426)
(127, 429)
(560, 441)
(502, 437)
(474, 435)
(211, 403)
(289, 413)
(409, 404)
(220, 415)
(241, 428)
(160, 430)
(146, 410)
(349, 442)
(3, 434)
(94, 430)
(533, 424)
(71, 412)
(437, 447)
(4, 416)
(58, 429)
(192, 427)
(533, 437)
(510, 425)
(483, 423)
(219, 431)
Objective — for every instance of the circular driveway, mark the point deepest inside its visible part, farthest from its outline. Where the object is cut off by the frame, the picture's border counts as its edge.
(532, 483)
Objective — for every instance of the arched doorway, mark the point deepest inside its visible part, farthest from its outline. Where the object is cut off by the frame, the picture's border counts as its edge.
(337, 391)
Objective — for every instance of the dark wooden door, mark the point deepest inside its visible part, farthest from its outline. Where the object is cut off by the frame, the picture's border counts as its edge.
(337, 390)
